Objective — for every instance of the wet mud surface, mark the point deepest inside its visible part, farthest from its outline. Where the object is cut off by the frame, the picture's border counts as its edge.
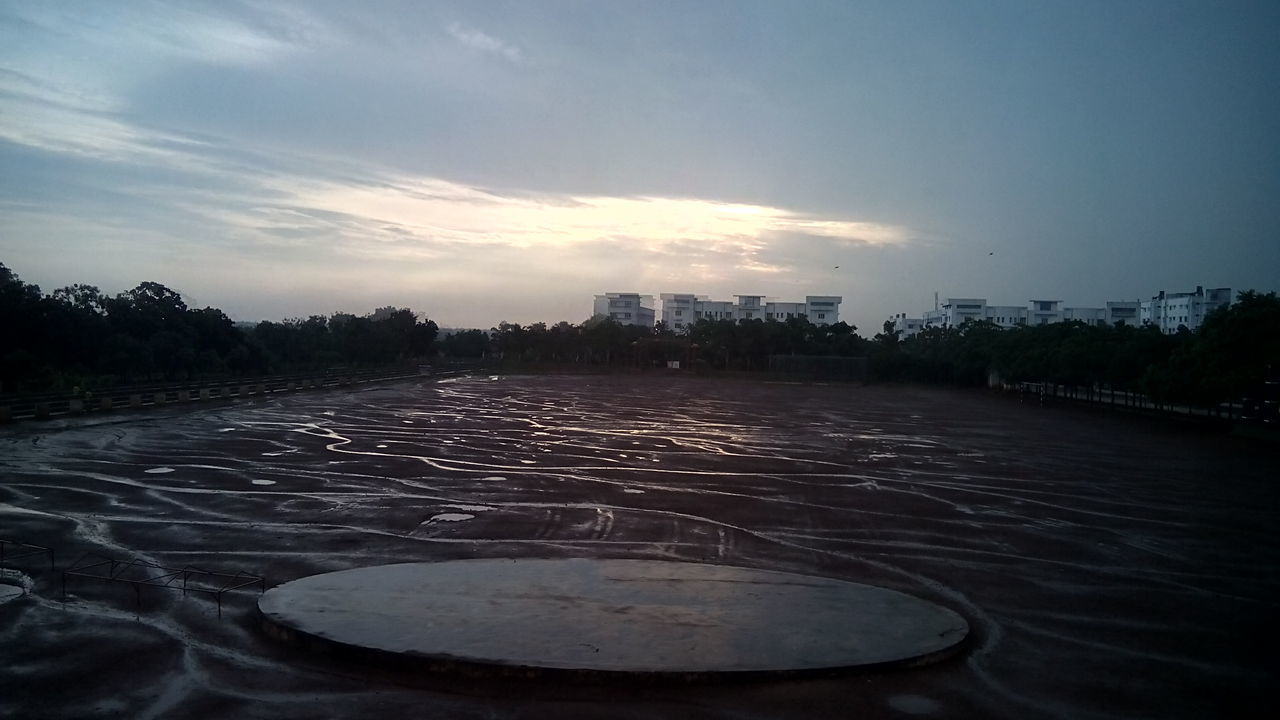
(1108, 566)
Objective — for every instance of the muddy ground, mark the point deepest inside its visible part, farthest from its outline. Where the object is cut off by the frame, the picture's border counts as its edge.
(1110, 566)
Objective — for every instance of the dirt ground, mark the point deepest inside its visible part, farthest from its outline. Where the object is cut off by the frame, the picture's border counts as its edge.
(1109, 566)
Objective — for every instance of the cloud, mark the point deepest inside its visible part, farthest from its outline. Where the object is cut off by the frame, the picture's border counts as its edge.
(264, 231)
(291, 211)
(432, 211)
(478, 40)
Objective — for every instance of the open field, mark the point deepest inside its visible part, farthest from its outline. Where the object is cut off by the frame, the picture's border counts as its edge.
(1109, 566)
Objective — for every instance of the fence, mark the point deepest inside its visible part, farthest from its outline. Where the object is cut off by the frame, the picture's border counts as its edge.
(49, 405)
(1121, 399)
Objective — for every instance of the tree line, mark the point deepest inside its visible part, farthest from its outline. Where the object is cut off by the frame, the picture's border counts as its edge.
(1228, 357)
(78, 335)
(601, 341)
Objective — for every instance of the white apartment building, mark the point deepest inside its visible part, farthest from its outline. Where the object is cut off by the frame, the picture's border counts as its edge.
(680, 310)
(749, 307)
(784, 311)
(823, 309)
(1044, 312)
(958, 311)
(1007, 316)
(1123, 312)
(905, 326)
(1169, 311)
(1088, 316)
(626, 308)
(955, 312)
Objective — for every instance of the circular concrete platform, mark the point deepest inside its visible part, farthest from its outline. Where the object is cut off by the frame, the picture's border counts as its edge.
(607, 617)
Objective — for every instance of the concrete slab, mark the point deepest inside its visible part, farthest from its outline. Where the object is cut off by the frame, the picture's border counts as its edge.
(592, 616)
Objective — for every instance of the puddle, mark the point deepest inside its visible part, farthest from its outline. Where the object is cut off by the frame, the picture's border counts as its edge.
(632, 491)
(451, 517)
(263, 482)
(159, 470)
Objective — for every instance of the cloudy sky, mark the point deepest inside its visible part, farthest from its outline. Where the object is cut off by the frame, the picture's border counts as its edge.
(486, 161)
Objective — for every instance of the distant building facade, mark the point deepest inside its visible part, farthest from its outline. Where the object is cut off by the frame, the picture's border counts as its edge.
(680, 310)
(626, 308)
(905, 326)
(1170, 311)
(1167, 311)
(1124, 312)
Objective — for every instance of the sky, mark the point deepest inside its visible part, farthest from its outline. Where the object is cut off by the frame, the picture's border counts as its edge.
(486, 161)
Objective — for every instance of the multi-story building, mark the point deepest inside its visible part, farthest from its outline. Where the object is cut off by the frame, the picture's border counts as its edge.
(955, 312)
(823, 309)
(1170, 311)
(1007, 316)
(680, 310)
(1167, 311)
(906, 327)
(1123, 312)
(1044, 312)
(749, 307)
(784, 311)
(1088, 316)
(626, 308)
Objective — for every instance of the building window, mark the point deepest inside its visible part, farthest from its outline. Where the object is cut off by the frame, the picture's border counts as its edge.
(822, 316)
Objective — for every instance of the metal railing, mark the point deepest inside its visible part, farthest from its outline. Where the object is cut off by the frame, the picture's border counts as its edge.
(11, 550)
(139, 573)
